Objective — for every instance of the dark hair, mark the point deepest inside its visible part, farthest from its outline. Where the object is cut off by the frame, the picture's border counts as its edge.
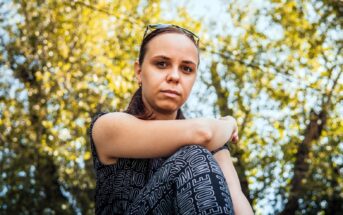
(136, 106)
(157, 32)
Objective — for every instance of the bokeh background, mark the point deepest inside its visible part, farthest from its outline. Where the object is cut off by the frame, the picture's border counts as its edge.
(276, 66)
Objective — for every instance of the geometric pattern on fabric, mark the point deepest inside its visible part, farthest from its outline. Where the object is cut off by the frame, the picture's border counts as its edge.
(188, 182)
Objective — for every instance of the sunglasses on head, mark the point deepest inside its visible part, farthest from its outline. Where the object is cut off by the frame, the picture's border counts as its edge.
(153, 27)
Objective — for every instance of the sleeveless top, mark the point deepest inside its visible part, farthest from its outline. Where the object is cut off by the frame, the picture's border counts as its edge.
(118, 184)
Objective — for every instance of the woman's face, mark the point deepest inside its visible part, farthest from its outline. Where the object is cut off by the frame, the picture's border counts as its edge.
(168, 72)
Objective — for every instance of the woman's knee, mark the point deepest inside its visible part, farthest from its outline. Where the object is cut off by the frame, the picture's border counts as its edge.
(197, 175)
(189, 150)
(195, 160)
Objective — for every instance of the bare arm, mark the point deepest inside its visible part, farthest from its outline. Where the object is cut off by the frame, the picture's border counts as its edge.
(123, 135)
(240, 202)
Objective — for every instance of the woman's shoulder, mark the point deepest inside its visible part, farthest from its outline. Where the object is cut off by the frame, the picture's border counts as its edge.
(101, 114)
(97, 162)
(119, 114)
(108, 114)
(105, 119)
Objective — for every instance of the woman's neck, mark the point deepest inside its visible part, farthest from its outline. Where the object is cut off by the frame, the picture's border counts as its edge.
(160, 114)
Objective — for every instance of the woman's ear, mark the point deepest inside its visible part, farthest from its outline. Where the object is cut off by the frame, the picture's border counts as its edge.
(138, 72)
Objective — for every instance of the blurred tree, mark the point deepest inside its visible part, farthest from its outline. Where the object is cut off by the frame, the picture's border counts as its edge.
(312, 28)
(279, 73)
(61, 61)
(277, 70)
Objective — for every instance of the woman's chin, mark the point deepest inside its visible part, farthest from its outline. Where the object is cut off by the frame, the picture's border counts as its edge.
(168, 108)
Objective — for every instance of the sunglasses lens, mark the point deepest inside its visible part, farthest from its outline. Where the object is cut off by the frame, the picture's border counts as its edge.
(161, 26)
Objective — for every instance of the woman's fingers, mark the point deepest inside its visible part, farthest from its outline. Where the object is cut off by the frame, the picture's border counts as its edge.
(236, 140)
(234, 136)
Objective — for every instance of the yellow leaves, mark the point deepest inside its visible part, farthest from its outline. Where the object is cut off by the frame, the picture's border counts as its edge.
(69, 171)
(39, 75)
(72, 157)
(87, 155)
(80, 86)
(253, 172)
(63, 50)
(59, 93)
(47, 124)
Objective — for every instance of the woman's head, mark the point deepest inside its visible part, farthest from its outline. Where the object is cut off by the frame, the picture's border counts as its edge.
(166, 71)
(161, 29)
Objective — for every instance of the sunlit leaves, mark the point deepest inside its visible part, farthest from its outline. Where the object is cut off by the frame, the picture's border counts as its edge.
(278, 73)
(69, 59)
(72, 59)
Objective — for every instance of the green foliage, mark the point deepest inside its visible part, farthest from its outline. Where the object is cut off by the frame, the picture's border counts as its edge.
(69, 61)
(278, 71)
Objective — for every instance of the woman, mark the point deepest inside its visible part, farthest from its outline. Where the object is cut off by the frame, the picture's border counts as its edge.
(150, 159)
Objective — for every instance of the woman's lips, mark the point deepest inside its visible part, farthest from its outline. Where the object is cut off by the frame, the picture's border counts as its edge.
(170, 93)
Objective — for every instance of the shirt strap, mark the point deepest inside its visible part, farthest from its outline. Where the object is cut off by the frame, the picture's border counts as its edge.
(225, 146)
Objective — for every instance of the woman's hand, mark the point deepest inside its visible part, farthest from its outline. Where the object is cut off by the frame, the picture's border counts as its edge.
(220, 131)
(234, 136)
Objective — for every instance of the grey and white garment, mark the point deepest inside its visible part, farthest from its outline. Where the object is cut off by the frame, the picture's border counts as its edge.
(188, 182)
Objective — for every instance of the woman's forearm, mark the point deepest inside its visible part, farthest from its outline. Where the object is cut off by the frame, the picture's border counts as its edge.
(240, 203)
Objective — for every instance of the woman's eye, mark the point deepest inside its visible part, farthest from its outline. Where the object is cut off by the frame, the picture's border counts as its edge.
(161, 64)
(187, 69)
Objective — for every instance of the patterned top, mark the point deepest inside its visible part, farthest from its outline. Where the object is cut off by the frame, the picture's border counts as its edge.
(118, 184)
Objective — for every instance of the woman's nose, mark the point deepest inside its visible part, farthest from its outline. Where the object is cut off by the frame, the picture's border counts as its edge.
(173, 74)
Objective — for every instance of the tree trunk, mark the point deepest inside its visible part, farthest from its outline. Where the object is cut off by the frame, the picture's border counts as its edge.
(301, 166)
(222, 101)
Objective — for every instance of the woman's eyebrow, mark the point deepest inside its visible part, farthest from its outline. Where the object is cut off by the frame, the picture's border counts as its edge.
(188, 62)
(161, 56)
(167, 58)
